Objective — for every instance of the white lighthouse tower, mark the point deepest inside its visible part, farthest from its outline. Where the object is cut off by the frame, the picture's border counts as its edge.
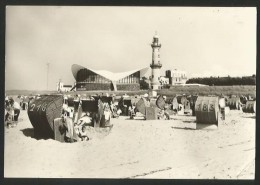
(156, 65)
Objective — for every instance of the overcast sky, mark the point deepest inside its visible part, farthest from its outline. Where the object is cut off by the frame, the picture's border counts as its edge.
(201, 41)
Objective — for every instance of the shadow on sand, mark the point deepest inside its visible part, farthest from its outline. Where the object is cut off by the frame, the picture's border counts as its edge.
(184, 128)
(138, 119)
(253, 117)
(28, 132)
(189, 121)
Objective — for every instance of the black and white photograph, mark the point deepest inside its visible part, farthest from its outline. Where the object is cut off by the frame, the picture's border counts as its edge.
(130, 92)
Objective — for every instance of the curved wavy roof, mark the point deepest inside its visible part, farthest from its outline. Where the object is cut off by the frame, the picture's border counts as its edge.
(106, 74)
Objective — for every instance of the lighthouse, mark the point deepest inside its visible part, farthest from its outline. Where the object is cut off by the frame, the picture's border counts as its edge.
(156, 65)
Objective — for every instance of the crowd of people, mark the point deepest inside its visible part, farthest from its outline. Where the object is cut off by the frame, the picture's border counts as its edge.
(13, 106)
(109, 109)
(72, 132)
(118, 107)
(78, 120)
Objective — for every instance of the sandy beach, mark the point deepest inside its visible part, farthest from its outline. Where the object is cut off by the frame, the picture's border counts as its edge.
(158, 149)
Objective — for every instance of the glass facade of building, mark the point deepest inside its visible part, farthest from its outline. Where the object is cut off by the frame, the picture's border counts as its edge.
(87, 76)
(131, 79)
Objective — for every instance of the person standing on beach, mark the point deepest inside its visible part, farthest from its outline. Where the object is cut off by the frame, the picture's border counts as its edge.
(16, 108)
(222, 105)
(9, 114)
(77, 109)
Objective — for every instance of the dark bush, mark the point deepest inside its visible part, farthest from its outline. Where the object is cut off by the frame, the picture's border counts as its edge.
(224, 81)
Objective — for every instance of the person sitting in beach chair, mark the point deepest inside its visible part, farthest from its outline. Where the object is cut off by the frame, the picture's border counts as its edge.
(175, 105)
(146, 100)
(163, 115)
(132, 111)
(114, 108)
(164, 112)
(107, 112)
(85, 120)
(119, 111)
(83, 134)
(97, 115)
(70, 135)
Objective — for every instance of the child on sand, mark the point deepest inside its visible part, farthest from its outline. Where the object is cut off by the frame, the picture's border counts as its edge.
(83, 134)
(9, 122)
